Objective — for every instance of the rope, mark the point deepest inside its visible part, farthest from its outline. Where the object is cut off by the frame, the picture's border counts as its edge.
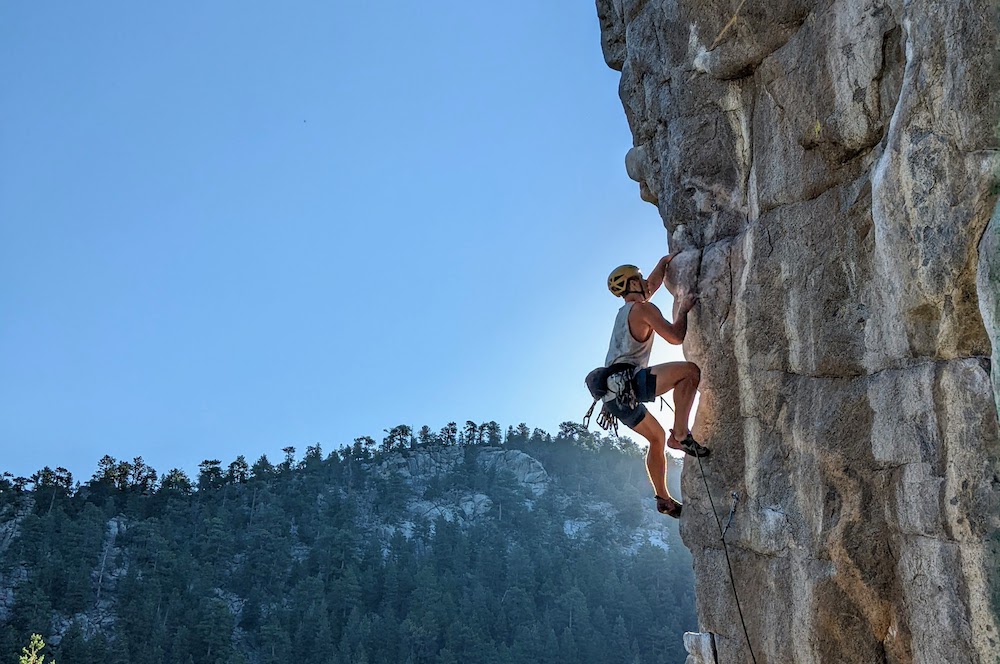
(722, 531)
(725, 548)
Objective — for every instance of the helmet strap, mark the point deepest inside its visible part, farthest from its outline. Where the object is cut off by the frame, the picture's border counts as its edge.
(628, 287)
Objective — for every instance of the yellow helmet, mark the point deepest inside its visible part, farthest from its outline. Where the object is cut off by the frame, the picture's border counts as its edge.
(618, 279)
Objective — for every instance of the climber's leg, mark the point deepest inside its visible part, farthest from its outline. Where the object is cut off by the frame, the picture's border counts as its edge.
(656, 464)
(683, 378)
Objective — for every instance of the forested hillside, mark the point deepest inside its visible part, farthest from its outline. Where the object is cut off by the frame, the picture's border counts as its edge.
(457, 546)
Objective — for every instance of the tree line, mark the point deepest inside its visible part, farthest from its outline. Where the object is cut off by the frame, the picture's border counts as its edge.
(318, 558)
(137, 475)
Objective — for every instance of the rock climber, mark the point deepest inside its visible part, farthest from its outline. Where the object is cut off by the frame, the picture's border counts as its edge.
(626, 380)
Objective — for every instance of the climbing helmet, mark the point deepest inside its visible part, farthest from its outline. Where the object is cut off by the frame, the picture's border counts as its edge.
(618, 279)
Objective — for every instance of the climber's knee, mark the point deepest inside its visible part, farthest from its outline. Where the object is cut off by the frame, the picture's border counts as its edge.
(650, 429)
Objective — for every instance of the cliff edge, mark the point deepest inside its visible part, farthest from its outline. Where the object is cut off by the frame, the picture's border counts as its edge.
(831, 170)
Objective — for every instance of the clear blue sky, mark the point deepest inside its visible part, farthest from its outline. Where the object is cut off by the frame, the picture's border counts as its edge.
(228, 227)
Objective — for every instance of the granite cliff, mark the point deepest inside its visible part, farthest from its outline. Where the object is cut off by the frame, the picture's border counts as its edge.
(830, 171)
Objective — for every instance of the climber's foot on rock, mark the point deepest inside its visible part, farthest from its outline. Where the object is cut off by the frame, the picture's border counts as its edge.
(688, 444)
(668, 506)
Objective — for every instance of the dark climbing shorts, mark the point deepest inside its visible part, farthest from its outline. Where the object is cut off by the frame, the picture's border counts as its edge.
(645, 390)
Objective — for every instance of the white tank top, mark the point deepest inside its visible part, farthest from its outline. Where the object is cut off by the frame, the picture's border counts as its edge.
(625, 348)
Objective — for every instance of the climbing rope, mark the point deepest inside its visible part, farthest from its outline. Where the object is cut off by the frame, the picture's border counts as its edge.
(722, 534)
(722, 531)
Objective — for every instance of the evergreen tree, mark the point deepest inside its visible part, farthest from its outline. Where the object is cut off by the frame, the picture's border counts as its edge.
(32, 654)
(397, 438)
(289, 462)
(210, 475)
(313, 457)
(176, 480)
(262, 468)
(470, 434)
(489, 434)
(141, 476)
(239, 471)
(325, 560)
(449, 434)
(426, 437)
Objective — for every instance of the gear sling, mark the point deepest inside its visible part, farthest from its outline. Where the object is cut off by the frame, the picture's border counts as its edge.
(597, 383)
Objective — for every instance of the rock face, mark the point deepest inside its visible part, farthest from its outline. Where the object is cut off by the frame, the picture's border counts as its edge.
(423, 464)
(10, 527)
(830, 170)
(419, 467)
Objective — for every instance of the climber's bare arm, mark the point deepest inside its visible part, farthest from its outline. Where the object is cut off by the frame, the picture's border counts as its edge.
(658, 274)
(648, 314)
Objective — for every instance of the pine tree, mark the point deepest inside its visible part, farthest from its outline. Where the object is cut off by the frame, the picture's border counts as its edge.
(176, 480)
(449, 434)
(239, 471)
(262, 468)
(32, 654)
(301, 559)
(210, 475)
(470, 434)
(426, 437)
(289, 462)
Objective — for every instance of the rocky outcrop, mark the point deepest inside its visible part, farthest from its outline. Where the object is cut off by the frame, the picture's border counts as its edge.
(112, 566)
(10, 529)
(464, 508)
(830, 170)
(423, 464)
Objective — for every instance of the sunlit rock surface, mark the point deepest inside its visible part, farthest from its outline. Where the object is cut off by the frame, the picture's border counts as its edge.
(831, 169)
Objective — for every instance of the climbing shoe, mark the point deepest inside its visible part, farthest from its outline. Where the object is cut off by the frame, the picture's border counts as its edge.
(691, 446)
(668, 506)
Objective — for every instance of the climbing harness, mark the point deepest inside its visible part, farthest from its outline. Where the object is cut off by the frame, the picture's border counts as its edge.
(597, 383)
(722, 536)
